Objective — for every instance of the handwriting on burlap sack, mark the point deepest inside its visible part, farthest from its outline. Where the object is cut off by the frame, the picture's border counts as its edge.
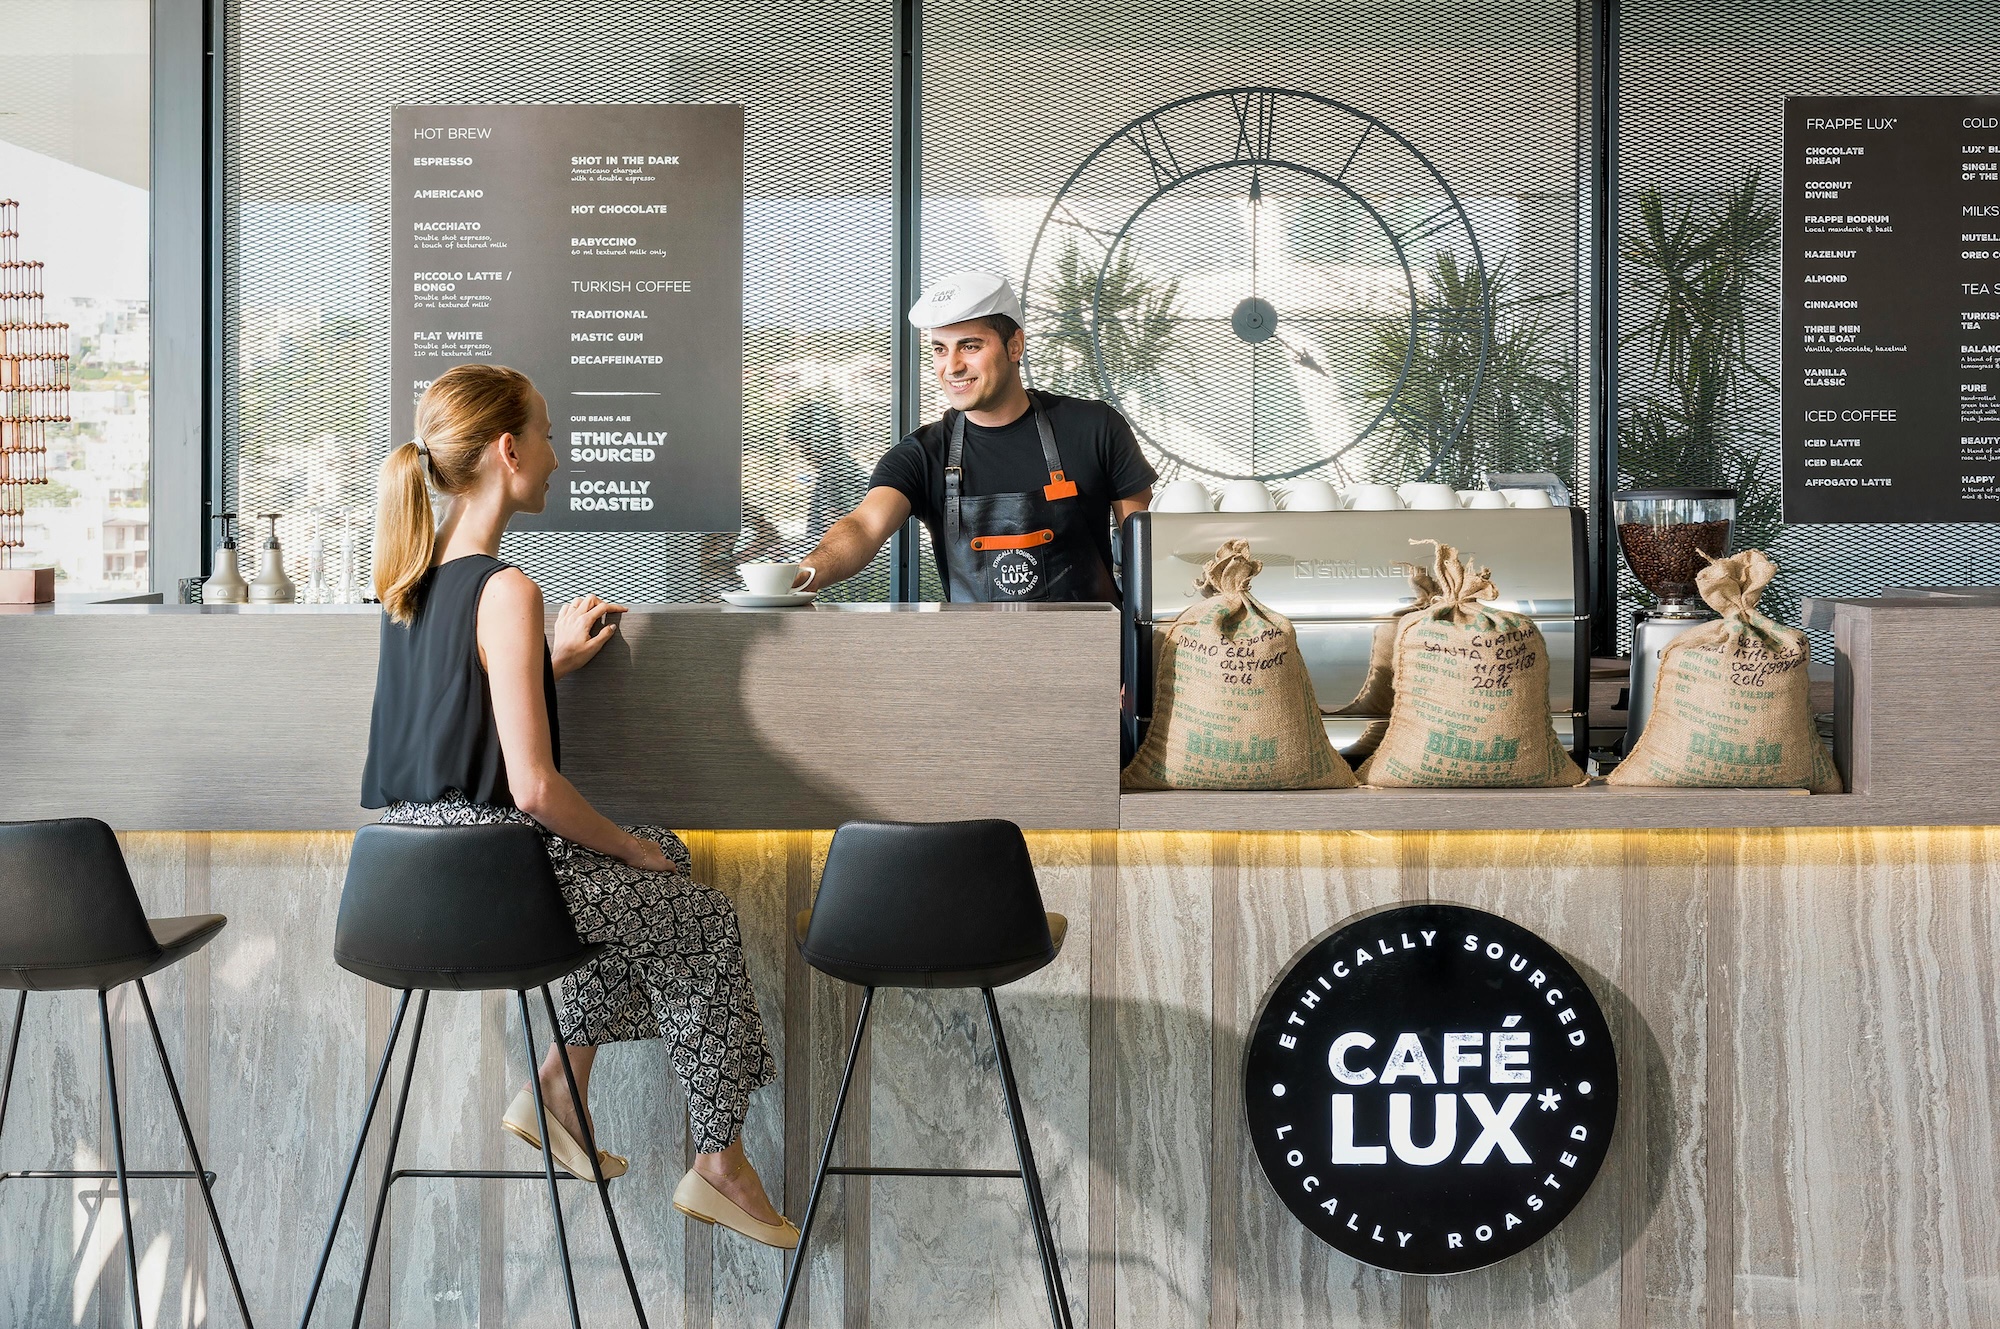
(1494, 658)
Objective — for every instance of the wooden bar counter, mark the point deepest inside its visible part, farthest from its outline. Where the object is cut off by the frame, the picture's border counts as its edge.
(1802, 990)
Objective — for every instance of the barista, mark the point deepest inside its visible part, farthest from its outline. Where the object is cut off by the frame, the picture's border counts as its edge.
(1019, 490)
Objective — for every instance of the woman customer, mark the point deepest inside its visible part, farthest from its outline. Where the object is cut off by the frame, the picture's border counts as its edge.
(465, 731)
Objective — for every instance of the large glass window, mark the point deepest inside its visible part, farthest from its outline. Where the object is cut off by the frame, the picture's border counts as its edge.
(1277, 236)
(74, 140)
(1702, 93)
(306, 286)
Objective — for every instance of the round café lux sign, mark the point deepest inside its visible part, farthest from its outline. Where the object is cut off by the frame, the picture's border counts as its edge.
(1431, 1088)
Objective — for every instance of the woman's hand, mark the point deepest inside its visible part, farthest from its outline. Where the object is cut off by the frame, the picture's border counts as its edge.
(575, 644)
(647, 855)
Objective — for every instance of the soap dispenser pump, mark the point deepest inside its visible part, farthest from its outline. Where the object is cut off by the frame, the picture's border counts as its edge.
(272, 586)
(225, 585)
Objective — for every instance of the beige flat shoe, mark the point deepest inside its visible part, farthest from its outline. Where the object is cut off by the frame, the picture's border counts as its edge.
(520, 1123)
(701, 1201)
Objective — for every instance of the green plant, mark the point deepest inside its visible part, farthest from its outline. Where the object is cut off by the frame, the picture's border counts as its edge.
(1698, 277)
(1523, 399)
(54, 494)
(1135, 327)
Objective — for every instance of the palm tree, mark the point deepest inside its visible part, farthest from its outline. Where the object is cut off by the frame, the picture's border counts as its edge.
(1703, 274)
(1135, 328)
(1523, 416)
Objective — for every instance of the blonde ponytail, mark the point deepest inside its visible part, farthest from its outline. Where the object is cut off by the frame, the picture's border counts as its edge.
(462, 411)
(405, 533)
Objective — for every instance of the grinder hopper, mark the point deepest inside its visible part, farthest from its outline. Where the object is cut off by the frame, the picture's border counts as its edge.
(1664, 534)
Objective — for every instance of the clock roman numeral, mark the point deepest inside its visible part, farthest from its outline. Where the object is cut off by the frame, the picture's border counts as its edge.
(1430, 225)
(1358, 144)
(1149, 139)
(1255, 110)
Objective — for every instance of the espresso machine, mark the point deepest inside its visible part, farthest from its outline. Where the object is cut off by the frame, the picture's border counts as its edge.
(1667, 537)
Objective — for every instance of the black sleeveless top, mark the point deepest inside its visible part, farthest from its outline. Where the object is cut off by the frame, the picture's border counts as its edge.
(433, 728)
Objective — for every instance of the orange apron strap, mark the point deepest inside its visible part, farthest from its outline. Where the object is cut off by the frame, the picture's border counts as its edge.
(1059, 486)
(1028, 541)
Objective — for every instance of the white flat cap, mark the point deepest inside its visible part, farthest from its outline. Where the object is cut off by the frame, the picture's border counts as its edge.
(959, 296)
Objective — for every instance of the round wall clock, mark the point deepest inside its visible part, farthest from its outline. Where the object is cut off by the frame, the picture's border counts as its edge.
(1245, 274)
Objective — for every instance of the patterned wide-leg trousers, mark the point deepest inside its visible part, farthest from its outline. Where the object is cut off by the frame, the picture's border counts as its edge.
(673, 966)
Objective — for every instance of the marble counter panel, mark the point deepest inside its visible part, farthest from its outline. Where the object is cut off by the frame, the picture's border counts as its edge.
(1809, 1045)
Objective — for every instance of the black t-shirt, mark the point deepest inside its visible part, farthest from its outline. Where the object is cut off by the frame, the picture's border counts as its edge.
(1099, 454)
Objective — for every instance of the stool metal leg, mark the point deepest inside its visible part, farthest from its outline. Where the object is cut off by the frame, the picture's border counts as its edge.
(590, 1148)
(13, 1046)
(1031, 1181)
(825, 1157)
(354, 1163)
(389, 1163)
(118, 1153)
(549, 1158)
(194, 1154)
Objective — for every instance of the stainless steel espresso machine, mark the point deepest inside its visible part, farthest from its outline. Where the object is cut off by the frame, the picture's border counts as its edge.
(1336, 576)
(1667, 536)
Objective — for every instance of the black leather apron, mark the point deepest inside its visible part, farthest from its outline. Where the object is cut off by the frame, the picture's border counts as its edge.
(1008, 548)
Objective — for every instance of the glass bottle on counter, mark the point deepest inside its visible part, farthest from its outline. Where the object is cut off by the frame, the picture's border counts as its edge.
(316, 588)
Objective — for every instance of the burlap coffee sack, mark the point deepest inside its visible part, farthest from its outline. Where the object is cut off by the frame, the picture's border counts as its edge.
(1378, 687)
(1730, 708)
(1472, 694)
(1233, 706)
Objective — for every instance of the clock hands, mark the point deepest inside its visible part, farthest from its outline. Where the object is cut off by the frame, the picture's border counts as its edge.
(1254, 319)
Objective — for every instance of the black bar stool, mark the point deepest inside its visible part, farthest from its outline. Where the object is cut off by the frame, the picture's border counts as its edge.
(937, 905)
(70, 921)
(469, 909)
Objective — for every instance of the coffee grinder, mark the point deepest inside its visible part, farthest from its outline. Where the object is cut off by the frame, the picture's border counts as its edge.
(1664, 534)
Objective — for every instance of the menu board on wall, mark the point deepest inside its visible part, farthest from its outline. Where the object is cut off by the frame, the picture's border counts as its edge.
(1892, 309)
(599, 250)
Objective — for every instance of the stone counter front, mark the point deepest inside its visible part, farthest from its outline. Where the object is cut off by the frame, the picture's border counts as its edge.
(1804, 1019)
(709, 718)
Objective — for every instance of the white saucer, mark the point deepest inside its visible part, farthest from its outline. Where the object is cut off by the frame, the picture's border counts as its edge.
(790, 599)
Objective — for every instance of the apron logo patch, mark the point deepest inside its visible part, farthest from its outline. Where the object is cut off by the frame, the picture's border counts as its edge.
(1016, 572)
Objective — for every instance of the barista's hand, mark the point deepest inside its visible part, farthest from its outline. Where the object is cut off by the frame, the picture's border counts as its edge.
(578, 636)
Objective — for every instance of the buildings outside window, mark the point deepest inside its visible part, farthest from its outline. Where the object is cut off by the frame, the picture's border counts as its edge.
(74, 142)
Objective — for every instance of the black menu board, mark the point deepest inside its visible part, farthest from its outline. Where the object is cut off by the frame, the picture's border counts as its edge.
(599, 250)
(1892, 309)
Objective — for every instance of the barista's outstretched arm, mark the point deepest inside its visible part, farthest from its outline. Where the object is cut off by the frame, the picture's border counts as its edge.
(855, 539)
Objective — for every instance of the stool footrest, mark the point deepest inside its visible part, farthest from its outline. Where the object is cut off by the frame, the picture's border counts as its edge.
(481, 1174)
(919, 1172)
(131, 1174)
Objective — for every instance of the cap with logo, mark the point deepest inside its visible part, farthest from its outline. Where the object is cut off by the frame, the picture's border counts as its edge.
(961, 296)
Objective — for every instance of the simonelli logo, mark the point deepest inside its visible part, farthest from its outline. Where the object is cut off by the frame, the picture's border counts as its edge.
(1348, 569)
(1344, 569)
(1430, 1088)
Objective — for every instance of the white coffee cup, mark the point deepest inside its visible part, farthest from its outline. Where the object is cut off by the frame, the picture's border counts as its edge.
(1312, 496)
(772, 578)
(1184, 496)
(1484, 498)
(1429, 496)
(1246, 496)
(1372, 497)
(1528, 498)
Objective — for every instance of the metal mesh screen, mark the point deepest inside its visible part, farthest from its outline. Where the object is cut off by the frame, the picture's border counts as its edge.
(1700, 112)
(307, 290)
(1260, 229)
